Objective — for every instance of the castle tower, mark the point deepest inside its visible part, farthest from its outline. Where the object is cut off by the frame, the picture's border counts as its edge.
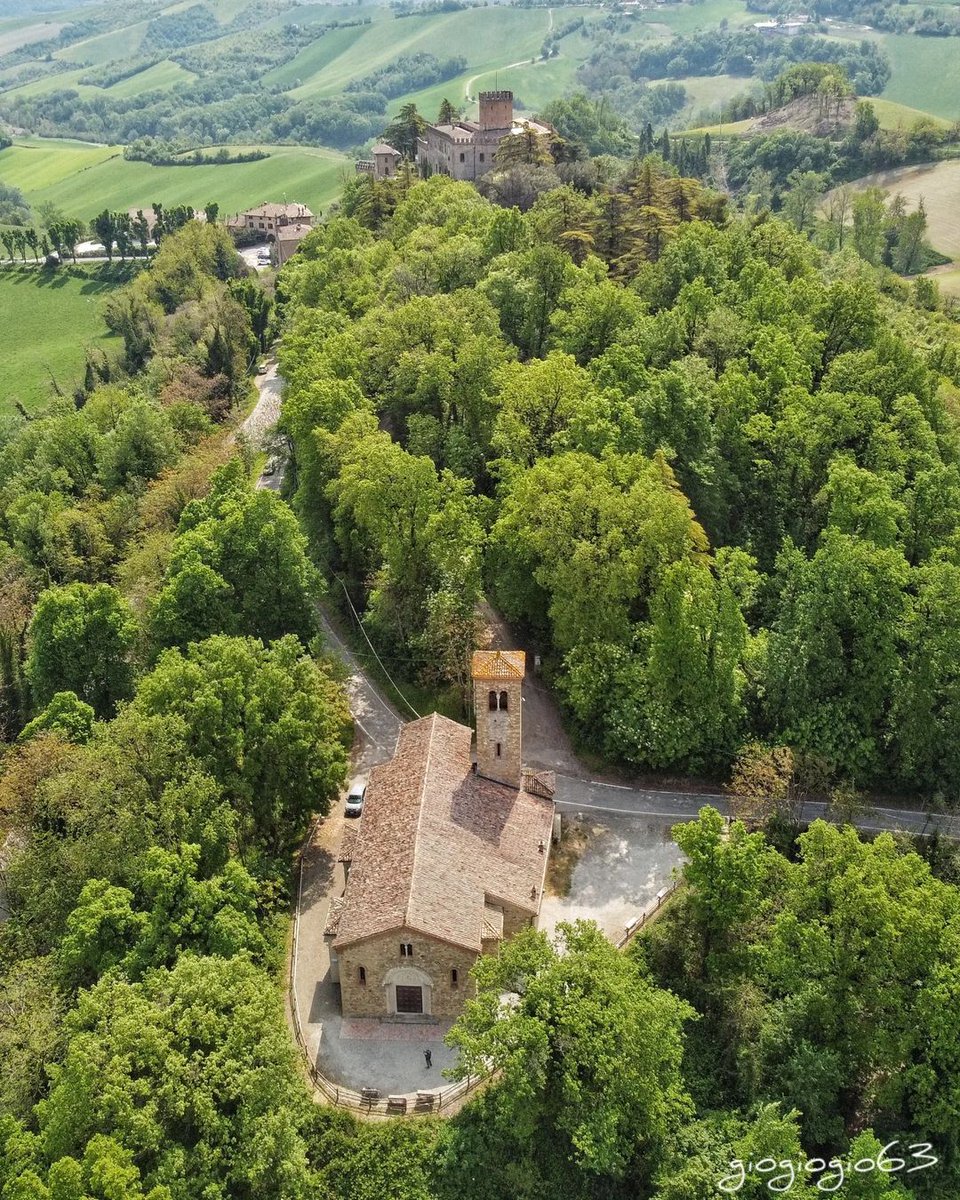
(496, 110)
(497, 680)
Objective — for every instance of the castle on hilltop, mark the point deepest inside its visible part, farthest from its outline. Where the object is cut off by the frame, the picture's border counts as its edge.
(463, 149)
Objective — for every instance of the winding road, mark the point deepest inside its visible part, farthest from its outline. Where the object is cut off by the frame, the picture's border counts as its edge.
(545, 742)
(468, 86)
(643, 866)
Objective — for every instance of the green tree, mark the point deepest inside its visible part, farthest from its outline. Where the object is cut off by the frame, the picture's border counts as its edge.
(268, 724)
(67, 715)
(213, 1105)
(448, 114)
(585, 543)
(800, 203)
(404, 130)
(868, 218)
(105, 230)
(587, 1049)
(833, 652)
(81, 637)
(238, 565)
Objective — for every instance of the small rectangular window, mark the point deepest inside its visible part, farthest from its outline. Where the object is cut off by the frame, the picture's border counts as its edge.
(498, 749)
(406, 950)
(454, 978)
(463, 157)
(362, 976)
(481, 158)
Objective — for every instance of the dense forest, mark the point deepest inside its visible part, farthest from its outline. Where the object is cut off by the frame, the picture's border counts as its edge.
(712, 472)
(714, 477)
(621, 70)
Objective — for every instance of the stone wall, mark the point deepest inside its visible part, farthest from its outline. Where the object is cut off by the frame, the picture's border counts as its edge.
(382, 963)
(496, 110)
(499, 728)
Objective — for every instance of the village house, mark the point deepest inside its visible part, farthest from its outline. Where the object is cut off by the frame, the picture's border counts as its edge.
(383, 164)
(288, 239)
(267, 219)
(449, 859)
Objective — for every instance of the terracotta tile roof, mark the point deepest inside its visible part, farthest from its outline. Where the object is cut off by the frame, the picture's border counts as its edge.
(492, 923)
(383, 148)
(348, 842)
(540, 783)
(334, 917)
(290, 233)
(498, 664)
(279, 210)
(437, 843)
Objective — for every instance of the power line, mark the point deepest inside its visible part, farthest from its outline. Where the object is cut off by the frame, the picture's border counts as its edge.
(375, 654)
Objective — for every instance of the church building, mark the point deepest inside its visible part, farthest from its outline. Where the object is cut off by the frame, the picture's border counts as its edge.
(450, 856)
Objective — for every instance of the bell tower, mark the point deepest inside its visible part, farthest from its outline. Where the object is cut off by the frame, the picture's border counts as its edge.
(497, 704)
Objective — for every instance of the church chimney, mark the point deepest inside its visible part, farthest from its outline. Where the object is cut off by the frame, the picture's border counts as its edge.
(497, 703)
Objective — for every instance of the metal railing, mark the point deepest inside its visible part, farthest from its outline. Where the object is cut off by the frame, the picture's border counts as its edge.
(633, 927)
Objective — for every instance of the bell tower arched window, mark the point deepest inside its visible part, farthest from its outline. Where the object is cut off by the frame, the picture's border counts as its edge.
(492, 702)
(503, 701)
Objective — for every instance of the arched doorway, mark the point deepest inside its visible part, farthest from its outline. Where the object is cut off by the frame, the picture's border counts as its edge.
(409, 992)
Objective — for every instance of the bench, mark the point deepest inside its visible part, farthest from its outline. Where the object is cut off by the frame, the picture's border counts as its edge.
(396, 1104)
(369, 1094)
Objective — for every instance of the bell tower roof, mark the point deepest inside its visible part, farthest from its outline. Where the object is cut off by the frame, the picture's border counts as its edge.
(498, 664)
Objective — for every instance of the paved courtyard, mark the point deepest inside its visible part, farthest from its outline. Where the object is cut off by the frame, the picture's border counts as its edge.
(627, 860)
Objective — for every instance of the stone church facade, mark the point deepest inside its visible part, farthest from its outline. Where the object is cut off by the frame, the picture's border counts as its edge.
(450, 856)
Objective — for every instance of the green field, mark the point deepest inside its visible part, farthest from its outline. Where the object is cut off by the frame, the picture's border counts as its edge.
(938, 185)
(83, 180)
(710, 91)
(106, 47)
(948, 281)
(161, 75)
(47, 320)
(486, 37)
(55, 82)
(21, 31)
(926, 73)
(688, 18)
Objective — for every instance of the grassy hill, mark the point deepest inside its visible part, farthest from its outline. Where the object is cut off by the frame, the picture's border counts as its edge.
(890, 114)
(926, 73)
(83, 180)
(938, 186)
(36, 307)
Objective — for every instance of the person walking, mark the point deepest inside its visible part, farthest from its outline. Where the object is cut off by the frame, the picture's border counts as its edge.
(428, 1057)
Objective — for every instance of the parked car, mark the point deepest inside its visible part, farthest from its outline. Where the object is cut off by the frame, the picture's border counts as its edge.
(354, 804)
